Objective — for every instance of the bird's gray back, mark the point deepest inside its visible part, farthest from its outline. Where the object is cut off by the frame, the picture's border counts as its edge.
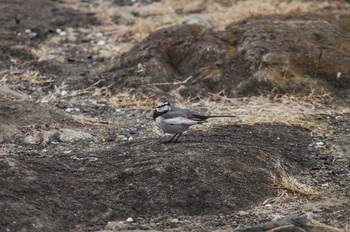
(176, 112)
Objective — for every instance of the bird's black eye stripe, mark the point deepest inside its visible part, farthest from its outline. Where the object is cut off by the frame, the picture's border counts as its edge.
(165, 104)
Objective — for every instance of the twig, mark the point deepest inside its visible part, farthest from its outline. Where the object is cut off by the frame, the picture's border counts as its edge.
(317, 63)
(96, 83)
(170, 83)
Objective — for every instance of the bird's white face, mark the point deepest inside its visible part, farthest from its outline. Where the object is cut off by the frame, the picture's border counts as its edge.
(162, 106)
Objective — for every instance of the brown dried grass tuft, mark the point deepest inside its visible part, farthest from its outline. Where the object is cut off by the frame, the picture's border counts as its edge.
(287, 109)
(128, 100)
(284, 181)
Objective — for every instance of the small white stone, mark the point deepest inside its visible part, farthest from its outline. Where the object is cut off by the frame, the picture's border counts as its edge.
(197, 19)
(243, 213)
(140, 68)
(70, 110)
(175, 220)
(101, 43)
(339, 75)
(129, 219)
(320, 144)
(64, 92)
(340, 118)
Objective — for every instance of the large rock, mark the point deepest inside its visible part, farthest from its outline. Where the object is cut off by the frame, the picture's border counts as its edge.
(306, 54)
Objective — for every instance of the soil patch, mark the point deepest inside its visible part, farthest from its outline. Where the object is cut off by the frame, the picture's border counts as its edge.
(227, 170)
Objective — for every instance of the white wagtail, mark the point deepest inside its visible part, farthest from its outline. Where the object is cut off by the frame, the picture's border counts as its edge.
(175, 120)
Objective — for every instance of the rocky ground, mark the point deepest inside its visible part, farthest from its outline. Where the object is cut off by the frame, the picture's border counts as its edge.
(79, 150)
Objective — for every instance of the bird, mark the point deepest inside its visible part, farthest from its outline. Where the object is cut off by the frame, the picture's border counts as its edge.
(175, 120)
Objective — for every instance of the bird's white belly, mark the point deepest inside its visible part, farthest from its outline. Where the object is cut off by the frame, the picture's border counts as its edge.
(171, 128)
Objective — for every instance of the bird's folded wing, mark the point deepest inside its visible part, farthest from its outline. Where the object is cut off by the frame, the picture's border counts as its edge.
(183, 121)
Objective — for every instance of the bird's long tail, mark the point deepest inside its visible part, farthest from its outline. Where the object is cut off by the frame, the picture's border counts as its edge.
(202, 117)
(220, 116)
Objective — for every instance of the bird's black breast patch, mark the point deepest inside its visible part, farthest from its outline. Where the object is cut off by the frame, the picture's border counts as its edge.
(157, 114)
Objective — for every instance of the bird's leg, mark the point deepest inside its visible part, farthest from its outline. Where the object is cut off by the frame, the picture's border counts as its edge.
(177, 137)
(172, 138)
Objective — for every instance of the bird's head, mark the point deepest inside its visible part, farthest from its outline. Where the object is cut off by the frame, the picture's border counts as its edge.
(162, 106)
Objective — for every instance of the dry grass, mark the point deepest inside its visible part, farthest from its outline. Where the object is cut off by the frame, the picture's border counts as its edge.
(293, 110)
(170, 12)
(284, 181)
(285, 109)
(222, 15)
(128, 100)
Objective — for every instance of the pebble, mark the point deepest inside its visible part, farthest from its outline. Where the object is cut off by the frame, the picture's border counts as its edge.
(71, 110)
(175, 220)
(70, 136)
(140, 69)
(129, 219)
(340, 118)
(56, 136)
(31, 33)
(319, 143)
(268, 206)
(51, 136)
(339, 74)
(124, 17)
(62, 33)
(197, 19)
(101, 43)
(311, 147)
(221, 216)
(32, 140)
(243, 213)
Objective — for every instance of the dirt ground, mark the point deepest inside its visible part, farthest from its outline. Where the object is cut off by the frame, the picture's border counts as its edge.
(281, 156)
